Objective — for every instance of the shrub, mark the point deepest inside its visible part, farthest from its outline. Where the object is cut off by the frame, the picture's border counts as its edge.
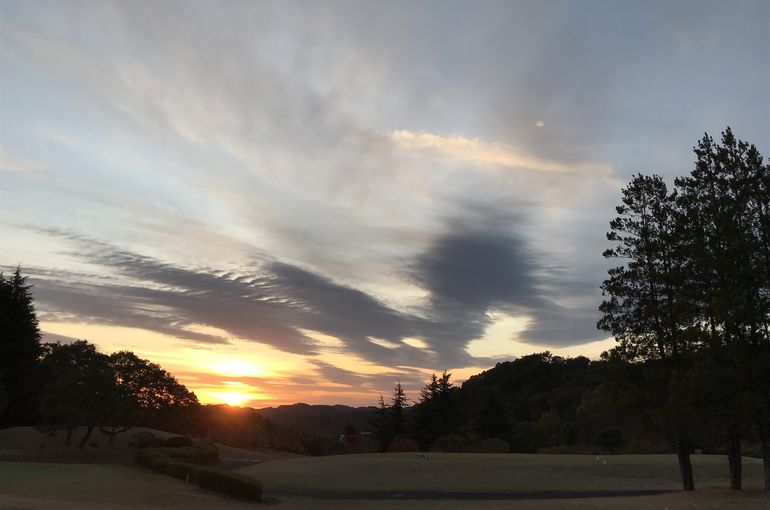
(160, 464)
(609, 439)
(232, 484)
(146, 456)
(144, 439)
(190, 454)
(181, 470)
(177, 442)
(493, 445)
(164, 460)
(402, 444)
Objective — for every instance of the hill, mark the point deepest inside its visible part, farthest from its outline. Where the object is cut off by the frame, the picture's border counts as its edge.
(319, 420)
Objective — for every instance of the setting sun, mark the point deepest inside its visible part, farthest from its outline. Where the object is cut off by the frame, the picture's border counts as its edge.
(232, 398)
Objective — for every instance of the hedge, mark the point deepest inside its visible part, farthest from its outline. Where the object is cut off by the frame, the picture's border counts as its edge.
(160, 464)
(177, 442)
(184, 463)
(227, 482)
(181, 470)
(192, 454)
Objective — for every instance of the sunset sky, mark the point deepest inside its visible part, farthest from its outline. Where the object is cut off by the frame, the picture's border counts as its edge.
(306, 201)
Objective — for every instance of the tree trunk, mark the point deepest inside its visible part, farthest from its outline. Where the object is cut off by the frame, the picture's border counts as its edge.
(685, 463)
(734, 459)
(85, 439)
(112, 432)
(764, 436)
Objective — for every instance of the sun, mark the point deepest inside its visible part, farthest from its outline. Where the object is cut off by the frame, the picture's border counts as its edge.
(232, 398)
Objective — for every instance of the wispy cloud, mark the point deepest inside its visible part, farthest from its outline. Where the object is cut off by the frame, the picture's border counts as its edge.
(473, 151)
(9, 163)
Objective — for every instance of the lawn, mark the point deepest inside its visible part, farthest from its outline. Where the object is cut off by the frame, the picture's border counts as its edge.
(300, 483)
(494, 472)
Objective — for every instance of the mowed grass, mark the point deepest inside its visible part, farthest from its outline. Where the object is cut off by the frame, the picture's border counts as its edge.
(459, 472)
(38, 486)
(58, 486)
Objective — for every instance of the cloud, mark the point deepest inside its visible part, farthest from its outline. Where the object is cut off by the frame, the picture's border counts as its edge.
(10, 163)
(272, 304)
(477, 152)
(478, 267)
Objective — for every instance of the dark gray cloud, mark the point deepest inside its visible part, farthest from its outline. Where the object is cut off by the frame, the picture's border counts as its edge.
(477, 266)
(482, 266)
(269, 305)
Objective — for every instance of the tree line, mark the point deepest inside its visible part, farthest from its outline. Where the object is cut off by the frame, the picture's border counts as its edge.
(63, 387)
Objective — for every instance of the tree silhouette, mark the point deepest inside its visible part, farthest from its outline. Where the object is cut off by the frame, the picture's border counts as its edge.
(646, 309)
(725, 206)
(116, 392)
(80, 389)
(19, 351)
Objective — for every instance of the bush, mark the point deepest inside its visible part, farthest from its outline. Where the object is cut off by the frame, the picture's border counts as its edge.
(163, 460)
(402, 444)
(232, 484)
(191, 454)
(144, 439)
(147, 456)
(177, 442)
(181, 470)
(609, 439)
(160, 464)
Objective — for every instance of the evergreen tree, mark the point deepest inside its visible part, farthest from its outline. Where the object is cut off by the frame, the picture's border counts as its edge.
(647, 309)
(397, 405)
(725, 206)
(19, 350)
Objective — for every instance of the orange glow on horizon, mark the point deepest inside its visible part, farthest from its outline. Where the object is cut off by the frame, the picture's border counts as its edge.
(231, 398)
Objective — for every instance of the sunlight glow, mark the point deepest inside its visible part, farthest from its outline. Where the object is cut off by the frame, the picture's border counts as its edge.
(232, 398)
(237, 368)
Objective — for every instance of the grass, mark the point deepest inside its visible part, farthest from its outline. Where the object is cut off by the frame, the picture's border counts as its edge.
(38, 486)
(493, 472)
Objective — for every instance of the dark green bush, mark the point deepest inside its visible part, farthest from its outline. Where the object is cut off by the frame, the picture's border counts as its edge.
(177, 462)
(182, 470)
(177, 442)
(160, 464)
(190, 454)
(227, 482)
(147, 456)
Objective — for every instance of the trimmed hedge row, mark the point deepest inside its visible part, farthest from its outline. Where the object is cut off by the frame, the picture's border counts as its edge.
(185, 464)
(227, 482)
(192, 454)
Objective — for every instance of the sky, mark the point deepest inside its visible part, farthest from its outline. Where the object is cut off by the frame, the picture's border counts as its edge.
(308, 201)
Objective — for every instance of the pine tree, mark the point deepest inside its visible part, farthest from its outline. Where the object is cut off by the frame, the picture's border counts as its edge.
(19, 350)
(647, 309)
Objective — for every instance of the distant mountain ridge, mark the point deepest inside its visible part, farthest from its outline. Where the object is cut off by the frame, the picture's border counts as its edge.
(321, 420)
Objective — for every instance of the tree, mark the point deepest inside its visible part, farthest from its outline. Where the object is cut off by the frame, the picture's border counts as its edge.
(80, 388)
(19, 350)
(143, 390)
(388, 420)
(725, 206)
(380, 424)
(647, 310)
(397, 405)
(435, 413)
(115, 392)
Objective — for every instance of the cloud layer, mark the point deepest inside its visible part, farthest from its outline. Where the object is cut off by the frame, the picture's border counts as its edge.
(387, 178)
